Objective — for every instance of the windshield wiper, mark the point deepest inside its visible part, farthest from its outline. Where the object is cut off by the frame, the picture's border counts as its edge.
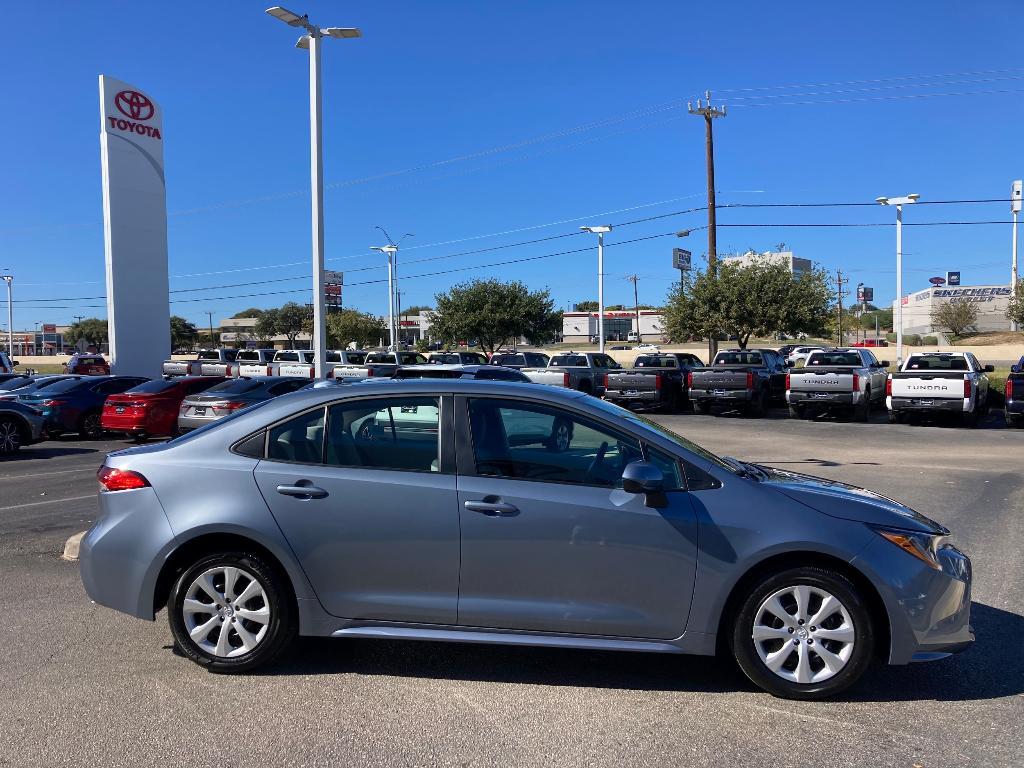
(745, 469)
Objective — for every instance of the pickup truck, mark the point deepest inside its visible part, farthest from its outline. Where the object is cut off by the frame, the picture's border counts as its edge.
(939, 382)
(376, 365)
(740, 378)
(1013, 409)
(253, 362)
(6, 364)
(301, 363)
(654, 381)
(845, 379)
(217, 362)
(583, 371)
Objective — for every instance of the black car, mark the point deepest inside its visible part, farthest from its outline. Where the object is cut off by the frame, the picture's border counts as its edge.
(479, 372)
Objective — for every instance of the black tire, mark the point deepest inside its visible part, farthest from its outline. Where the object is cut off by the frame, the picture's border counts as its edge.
(1013, 420)
(969, 420)
(895, 417)
(281, 629)
(138, 437)
(674, 402)
(795, 412)
(756, 406)
(863, 411)
(860, 655)
(89, 426)
(700, 407)
(12, 435)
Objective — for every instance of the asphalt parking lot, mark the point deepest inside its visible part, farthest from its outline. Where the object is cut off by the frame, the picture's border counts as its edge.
(86, 686)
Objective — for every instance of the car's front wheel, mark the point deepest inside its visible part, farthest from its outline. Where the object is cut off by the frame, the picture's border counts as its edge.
(10, 436)
(804, 633)
(231, 612)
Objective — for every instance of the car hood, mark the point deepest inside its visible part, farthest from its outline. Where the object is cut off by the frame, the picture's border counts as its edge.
(848, 502)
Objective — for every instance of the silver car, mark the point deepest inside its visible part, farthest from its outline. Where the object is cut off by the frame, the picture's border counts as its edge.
(19, 425)
(225, 398)
(444, 509)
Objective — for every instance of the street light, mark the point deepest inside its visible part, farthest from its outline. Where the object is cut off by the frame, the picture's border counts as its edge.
(899, 202)
(390, 250)
(600, 232)
(8, 278)
(311, 41)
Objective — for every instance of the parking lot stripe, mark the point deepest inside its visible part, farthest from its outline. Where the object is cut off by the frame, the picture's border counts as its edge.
(48, 501)
(48, 474)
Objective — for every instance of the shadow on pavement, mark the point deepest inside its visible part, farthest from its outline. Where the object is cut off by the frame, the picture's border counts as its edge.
(988, 670)
(47, 451)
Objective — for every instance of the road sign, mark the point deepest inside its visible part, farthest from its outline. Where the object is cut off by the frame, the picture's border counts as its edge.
(681, 258)
(937, 280)
(333, 282)
(49, 328)
(952, 278)
(865, 294)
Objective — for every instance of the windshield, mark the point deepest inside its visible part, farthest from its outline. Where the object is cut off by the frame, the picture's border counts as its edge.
(618, 412)
(234, 387)
(738, 358)
(568, 360)
(833, 358)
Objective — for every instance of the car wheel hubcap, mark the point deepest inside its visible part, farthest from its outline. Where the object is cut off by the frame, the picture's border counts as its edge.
(226, 612)
(9, 437)
(803, 634)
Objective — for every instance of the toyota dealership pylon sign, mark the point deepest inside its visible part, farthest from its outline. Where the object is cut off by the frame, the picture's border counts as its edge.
(134, 228)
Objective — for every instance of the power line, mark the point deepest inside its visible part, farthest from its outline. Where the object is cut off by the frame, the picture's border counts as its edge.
(875, 80)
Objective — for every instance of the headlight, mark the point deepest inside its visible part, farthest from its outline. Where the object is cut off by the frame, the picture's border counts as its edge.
(923, 546)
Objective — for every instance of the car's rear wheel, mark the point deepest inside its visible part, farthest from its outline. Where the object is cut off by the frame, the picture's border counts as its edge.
(10, 436)
(89, 426)
(863, 412)
(795, 413)
(231, 612)
(757, 404)
(969, 419)
(804, 633)
(1013, 420)
(701, 407)
(895, 417)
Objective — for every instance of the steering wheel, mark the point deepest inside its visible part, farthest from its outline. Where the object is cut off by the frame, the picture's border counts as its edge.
(598, 459)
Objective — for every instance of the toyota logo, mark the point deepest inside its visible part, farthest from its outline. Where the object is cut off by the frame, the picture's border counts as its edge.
(134, 105)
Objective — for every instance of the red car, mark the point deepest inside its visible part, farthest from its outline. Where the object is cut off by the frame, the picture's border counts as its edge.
(872, 343)
(151, 409)
(87, 365)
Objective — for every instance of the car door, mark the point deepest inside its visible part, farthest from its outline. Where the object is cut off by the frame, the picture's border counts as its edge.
(550, 541)
(368, 505)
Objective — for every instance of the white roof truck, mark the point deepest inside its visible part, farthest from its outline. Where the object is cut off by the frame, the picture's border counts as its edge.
(952, 383)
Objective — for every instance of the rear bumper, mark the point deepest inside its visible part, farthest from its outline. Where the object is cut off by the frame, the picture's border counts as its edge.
(116, 423)
(721, 395)
(188, 423)
(625, 396)
(822, 399)
(948, 405)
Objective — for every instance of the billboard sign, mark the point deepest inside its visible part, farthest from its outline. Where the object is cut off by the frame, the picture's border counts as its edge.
(937, 280)
(952, 278)
(333, 281)
(681, 258)
(134, 228)
(865, 294)
(49, 328)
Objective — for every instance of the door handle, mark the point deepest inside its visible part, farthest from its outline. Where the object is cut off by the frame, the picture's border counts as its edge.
(302, 491)
(492, 508)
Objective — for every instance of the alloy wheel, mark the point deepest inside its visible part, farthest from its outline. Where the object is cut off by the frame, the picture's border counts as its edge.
(10, 436)
(226, 611)
(803, 634)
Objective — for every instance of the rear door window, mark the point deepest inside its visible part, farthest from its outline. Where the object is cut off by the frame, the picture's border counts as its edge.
(298, 440)
(398, 433)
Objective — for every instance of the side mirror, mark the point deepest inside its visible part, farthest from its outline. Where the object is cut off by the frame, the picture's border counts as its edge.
(643, 477)
(15, 363)
(990, 369)
(1014, 369)
(883, 363)
(788, 364)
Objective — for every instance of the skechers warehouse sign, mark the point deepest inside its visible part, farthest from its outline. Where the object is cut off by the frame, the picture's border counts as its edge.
(976, 295)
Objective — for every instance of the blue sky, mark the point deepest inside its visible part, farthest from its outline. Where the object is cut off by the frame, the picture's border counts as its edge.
(455, 120)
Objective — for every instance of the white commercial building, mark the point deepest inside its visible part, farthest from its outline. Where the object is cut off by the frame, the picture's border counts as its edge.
(992, 302)
(581, 327)
(794, 264)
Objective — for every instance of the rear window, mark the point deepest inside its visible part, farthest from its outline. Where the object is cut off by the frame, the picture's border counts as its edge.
(355, 358)
(249, 355)
(428, 373)
(235, 386)
(89, 361)
(16, 383)
(286, 357)
(739, 358)
(937, 363)
(655, 361)
(563, 360)
(445, 359)
(412, 358)
(208, 354)
(154, 387)
(334, 357)
(508, 360)
(821, 359)
(380, 357)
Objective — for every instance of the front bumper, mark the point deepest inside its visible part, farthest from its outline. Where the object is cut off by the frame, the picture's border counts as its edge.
(927, 405)
(122, 554)
(929, 610)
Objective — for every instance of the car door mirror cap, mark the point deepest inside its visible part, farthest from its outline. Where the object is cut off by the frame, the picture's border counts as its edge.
(644, 477)
(883, 363)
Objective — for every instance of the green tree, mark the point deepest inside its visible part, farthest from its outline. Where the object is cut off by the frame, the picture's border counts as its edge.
(250, 312)
(742, 301)
(92, 330)
(349, 325)
(183, 333)
(1015, 311)
(494, 312)
(266, 325)
(416, 309)
(955, 317)
(293, 319)
(585, 306)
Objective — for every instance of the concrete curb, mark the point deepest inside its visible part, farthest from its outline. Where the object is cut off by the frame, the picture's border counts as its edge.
(71, 547)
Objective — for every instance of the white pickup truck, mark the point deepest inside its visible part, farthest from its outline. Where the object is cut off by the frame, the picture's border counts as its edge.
(375, 365)
(849, 379)
(208, 362)
(939, 382)
(253, 362)
(300, 363)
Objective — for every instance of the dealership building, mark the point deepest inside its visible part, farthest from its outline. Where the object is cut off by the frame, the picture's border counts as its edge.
(581, 327)
(992, 302)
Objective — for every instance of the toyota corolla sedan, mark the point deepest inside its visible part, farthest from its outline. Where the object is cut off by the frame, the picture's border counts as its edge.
(444, 509)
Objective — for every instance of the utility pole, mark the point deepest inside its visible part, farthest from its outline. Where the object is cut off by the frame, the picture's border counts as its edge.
(9, 279)
(210, 315)
(1016, 191)
(710, 113)
(636, 305)
(839, 303)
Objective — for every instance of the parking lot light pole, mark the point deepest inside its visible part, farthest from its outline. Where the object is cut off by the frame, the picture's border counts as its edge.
(311, 42)
(10, 316)
(600, 232)
(899, 202)
(390, 250)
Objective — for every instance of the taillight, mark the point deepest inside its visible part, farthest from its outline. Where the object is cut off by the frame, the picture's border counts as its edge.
(606, 381)
(657, 381)
(369, 371)
(856, 382)
(967, 389)
(233, 406)
(112, 479)
(750, 380)
(787, 382)
(565, 378)
(52, 403)
(312, 373)
(689, 379)
(1008, 391)
(888, 387)
(269, 370)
